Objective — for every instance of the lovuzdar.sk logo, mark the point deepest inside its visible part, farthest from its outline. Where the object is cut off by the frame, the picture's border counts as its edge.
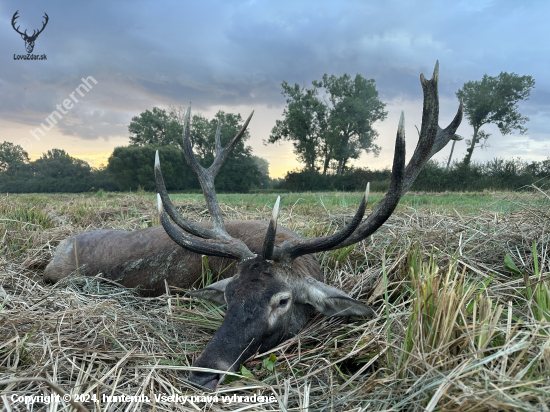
(29, 40)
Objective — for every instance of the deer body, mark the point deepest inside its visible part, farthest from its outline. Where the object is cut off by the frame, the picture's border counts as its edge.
(145, 258)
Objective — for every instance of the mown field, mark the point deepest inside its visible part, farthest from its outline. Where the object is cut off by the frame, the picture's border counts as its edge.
(460, 283)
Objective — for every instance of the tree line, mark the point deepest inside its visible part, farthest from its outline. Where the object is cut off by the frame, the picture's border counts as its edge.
(54, 171)
(131, 167)
(495, 174)
(329, 123)
(332, 121)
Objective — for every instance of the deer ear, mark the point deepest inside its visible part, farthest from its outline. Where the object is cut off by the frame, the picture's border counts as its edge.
(215, 292)
(333, 302)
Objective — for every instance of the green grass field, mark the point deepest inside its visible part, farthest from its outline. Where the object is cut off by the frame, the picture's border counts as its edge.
(464, 202)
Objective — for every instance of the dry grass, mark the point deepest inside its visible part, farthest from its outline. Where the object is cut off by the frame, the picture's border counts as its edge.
(455, 330)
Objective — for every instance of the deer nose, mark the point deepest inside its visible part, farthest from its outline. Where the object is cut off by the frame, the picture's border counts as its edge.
(207, 379)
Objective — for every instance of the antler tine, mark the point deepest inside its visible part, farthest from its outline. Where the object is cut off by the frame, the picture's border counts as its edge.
(43, 24)
(222, 153)
(207, 176)
(442, 137)
(217, 139)
(190, 227)
(431, 140)
(232, 249)
(295, 247)
(269, 242)
(387, 205)
(217, 242)
(15, 16)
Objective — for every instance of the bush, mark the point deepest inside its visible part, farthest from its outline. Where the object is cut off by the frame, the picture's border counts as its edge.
(353, 180)
(132, 167)
(496, 174)
(55, 171)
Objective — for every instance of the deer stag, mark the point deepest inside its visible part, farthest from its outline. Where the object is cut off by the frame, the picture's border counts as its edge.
(29, 40)
(276, 284)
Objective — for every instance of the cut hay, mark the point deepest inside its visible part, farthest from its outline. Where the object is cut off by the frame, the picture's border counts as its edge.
(456, 328)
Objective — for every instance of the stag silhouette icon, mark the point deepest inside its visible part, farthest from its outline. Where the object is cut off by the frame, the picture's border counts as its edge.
(29, 40)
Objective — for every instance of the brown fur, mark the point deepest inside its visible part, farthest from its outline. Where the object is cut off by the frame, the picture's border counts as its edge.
(146, 258)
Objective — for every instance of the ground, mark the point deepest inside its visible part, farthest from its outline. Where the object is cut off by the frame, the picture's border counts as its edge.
(459, 281)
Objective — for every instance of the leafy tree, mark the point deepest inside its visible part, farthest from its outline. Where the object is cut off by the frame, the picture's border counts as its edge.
(337, 130)
(494, 100)
(304, 123)
(132, 167)
(55, 171)
(160, 128)
(155, 127)
(12, 157)
(57, 163)
(203, 133)
(239, 175)
(355, 107)
(263, 168)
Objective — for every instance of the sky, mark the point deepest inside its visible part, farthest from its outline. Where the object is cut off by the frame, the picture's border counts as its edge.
(234, 55)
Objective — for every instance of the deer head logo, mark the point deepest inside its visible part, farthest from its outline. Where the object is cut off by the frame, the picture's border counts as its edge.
(29, 40)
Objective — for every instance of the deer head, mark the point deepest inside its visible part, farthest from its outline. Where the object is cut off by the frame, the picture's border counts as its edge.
(269, 299)
(29, 40)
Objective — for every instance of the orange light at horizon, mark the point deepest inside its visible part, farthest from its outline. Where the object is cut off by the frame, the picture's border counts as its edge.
(93, 159)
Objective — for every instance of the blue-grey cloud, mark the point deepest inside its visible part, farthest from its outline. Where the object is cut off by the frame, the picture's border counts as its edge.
(237, 53)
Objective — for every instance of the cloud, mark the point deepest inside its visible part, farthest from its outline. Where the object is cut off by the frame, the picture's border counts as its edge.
(233, 54)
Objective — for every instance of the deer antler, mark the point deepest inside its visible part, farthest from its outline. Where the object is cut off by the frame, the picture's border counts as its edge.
(15, 16)
(215, 242)
(207, 176)
(34, 33)
(218, 242)
(431, 140)
(293, 248)
(43, 25)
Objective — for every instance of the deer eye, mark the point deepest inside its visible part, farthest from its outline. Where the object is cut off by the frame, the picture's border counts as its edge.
(283, 302)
